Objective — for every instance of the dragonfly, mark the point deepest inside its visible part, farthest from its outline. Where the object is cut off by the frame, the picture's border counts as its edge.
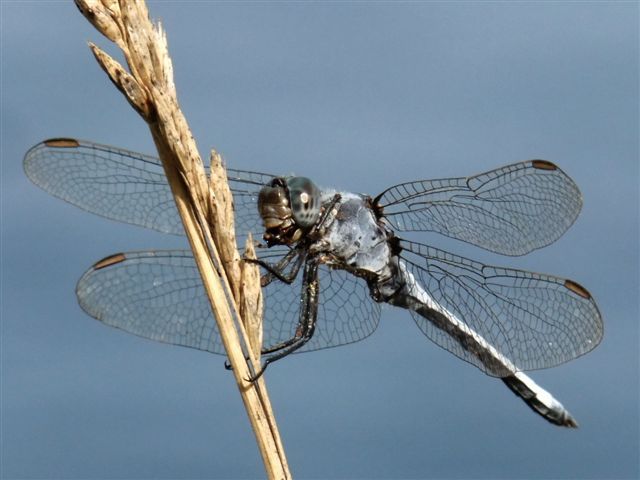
(331, 258)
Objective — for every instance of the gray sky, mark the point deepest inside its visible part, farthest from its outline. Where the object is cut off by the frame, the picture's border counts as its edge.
(357, 96)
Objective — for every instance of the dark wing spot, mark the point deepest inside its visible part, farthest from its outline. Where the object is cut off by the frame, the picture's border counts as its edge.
(543, 165)
(577, 289)
(62, 142)
(110, 260)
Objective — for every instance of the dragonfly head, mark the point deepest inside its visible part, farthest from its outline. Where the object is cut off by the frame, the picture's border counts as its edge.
(289, 206)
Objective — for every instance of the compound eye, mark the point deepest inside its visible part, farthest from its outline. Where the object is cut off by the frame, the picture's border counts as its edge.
(305, 201)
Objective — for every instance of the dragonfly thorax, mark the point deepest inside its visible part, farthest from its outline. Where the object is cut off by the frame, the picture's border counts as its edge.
(289, 206)
(355, 240)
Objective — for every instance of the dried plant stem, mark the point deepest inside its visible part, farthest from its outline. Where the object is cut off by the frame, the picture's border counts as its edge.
(205, 205)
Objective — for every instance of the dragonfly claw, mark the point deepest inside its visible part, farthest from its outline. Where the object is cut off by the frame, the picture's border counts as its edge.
(255, 377)
(251, 378)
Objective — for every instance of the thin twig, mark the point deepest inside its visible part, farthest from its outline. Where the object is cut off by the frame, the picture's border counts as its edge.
(205, 205)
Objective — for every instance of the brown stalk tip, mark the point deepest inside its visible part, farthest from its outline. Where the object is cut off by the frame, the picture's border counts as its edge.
(101, 17)
(126, 83)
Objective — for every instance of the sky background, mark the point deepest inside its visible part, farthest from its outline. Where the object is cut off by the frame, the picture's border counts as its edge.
(357, 96)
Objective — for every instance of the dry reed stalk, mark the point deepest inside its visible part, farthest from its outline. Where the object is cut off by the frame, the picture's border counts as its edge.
(205, 205)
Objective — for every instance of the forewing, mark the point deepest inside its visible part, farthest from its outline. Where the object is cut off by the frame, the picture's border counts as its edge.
(511, 210)
(534, 320)
(159, 295)
(127, 186)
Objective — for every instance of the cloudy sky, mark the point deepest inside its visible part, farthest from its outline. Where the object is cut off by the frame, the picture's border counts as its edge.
(358, 96)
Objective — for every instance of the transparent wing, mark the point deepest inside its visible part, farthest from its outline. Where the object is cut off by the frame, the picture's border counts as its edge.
(127, 186)
(534, 320)
(511, 210)
(159, 295)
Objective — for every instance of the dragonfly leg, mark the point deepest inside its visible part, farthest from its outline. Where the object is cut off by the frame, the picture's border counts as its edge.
(286, 348)
(306, 324)
(328, 211)
(228, 366)
(308, 312)
(292, 260)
